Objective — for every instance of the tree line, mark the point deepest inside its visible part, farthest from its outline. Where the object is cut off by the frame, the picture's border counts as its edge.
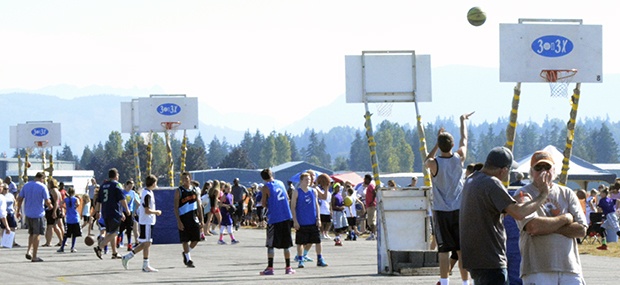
(341, 148)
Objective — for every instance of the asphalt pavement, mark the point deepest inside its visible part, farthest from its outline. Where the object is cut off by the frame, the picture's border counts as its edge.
(353, 263)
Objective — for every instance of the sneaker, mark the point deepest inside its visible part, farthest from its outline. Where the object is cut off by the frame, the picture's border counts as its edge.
(321, 263)
(307, 259)
(118, 241)
(125, 261)
(221, 242)
(190, 264)
(129, 247)
(184, 258)
(116, 256)
(301, 264)
(234, 241)
(267, 271)
(338, 242)
(28, 256)
(98, 252)
(149, 269)
(73, 250)
(212, 232)
(371, 237)
(602, 247)
(202, 236)
(16, 245)
(289, 270)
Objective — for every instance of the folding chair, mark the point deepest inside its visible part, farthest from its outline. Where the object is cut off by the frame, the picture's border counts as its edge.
(596, 220)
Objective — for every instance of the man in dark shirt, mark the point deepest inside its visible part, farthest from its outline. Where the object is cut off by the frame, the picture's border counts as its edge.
(239, 193)
(109, 201)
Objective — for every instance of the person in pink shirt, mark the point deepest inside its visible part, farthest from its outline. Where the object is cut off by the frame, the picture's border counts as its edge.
(371, 206)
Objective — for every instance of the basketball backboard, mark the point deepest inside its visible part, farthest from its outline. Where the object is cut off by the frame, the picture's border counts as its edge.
(388, 76)
(148, 113)
(33, 134)
(534, 45)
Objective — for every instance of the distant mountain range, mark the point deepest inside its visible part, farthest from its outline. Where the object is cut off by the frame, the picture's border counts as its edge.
(89, 120)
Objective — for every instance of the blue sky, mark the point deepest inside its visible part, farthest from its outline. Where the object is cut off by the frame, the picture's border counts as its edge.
(242, 56)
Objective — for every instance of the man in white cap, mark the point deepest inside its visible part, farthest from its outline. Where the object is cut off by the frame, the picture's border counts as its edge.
(548, 245)
(484, 202)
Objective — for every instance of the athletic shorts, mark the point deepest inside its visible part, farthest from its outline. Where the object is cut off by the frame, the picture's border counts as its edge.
(190, 233)
(308, 235)
(326, 219)
(352, 221)
(146, 233)
(112, 225)
(564, 278)
(127, 224)
(340, 221)
(447, 230)
(36, 226)
(73, 230)
(279, 235)
(49, 217)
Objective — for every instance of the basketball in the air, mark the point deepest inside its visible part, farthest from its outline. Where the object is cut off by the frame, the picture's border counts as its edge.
(348, 201)
(476, 16)
(28, 165)
(89, 240)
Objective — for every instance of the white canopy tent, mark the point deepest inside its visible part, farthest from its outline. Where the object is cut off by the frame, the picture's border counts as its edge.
(579, 171)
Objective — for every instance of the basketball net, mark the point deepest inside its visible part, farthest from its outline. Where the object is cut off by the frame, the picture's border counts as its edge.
(384, 109)
(170, 127)
(558, 80)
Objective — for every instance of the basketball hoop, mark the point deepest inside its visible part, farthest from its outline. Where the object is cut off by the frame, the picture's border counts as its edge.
(558, 80)
(170, 127)
(41, 144)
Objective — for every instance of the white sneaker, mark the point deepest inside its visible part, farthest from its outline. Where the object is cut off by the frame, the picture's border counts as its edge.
(149, 269)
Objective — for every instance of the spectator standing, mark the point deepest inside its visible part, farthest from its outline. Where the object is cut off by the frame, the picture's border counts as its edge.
(37, 199)
(548, 245)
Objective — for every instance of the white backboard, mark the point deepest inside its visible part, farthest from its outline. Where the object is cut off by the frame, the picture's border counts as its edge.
(526, 49)
(146, 114)
(388, 78)
(27, 135)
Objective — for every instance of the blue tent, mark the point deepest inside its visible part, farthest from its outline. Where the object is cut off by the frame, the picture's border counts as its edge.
(295, 178)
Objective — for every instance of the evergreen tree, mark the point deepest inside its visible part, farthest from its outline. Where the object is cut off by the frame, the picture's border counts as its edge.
(283, 149)
(256, 148)
(359, 154)
(268, 153)
(605, 146)
(237, 158)
(217, 152)
(197, 155)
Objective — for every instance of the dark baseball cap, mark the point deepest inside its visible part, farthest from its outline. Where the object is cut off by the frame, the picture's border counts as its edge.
(500, 157)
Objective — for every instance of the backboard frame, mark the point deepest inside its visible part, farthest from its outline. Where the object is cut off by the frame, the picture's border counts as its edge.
(146, 114)
(388, 76)
(534, 45)
(27, 135)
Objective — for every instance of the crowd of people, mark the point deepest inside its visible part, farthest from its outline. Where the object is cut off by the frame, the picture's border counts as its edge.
(320, 209)
(468, 206)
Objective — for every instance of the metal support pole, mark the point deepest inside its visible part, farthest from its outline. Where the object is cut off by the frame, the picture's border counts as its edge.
(570, 134)
(511, 130)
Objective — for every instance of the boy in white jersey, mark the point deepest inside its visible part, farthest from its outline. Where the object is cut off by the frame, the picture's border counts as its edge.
(147, 220)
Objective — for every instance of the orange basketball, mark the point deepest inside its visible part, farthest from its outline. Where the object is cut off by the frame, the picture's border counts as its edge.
(89, 240)
(28, 165)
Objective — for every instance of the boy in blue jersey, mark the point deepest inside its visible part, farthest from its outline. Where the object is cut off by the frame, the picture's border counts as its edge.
(109, 202)
(275, 200)
(188, 211)
(306, 219)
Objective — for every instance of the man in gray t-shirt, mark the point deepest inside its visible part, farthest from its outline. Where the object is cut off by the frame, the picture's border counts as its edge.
(239, 193)
(482, 233)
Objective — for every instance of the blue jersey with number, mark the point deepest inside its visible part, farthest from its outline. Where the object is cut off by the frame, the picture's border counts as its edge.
(110, 196)
(277, 203)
